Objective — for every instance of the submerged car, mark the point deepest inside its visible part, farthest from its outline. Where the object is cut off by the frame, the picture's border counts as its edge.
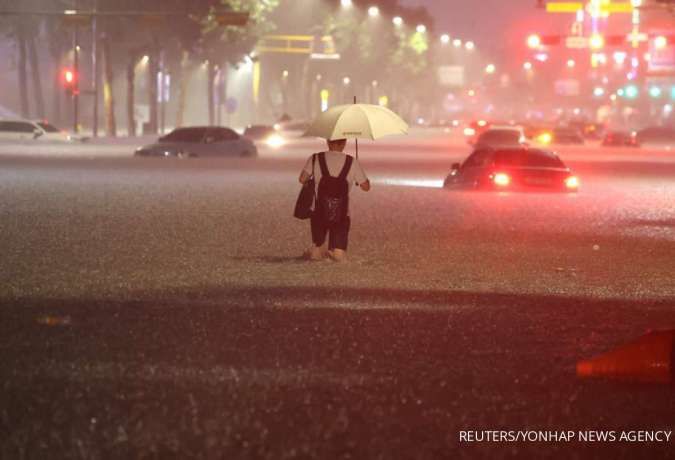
(568, 136)
(501, 136)
(512, 169)
(266, 134)
(25, 130)
(657, 136)
(205, 141)
(620, 139)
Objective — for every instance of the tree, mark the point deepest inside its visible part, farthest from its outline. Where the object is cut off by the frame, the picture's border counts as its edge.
(390, 56)
(221, 44)
(22, 28)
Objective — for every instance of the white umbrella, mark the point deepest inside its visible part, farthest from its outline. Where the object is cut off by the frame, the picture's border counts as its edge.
(357, 121)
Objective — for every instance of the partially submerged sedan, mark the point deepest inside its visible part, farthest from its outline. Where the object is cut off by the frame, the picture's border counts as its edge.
(207, 141)
(513, 169)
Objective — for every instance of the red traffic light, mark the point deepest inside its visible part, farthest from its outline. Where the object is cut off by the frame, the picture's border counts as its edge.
(534, 41)
(616, 40)
(69, 80)
(69, 77)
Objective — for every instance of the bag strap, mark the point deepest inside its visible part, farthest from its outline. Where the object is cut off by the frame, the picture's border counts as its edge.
(346, 167)
(313, 160)
(323, 165)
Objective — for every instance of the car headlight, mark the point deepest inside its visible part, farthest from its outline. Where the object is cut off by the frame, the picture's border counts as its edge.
(275, 141)
(544, 138)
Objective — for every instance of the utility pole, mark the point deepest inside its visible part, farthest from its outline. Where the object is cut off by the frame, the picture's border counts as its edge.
(94, 65)
(76, 70)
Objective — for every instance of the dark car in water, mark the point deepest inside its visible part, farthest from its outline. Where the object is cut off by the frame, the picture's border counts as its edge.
(620, 139)
(657, 136)
(568, 136)
(512, 169)
(501, 136)
(200, 141)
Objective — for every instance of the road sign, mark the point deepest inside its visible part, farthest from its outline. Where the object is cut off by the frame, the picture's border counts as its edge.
(567, 87)
(595, 9)
(451, 75)
(231, 18)
(564, 7)
(231, 105)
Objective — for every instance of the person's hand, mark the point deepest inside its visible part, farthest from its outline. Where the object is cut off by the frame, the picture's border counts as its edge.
(304, 177)
(365, 186)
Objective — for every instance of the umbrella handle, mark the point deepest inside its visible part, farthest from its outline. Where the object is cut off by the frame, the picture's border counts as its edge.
(357, 141)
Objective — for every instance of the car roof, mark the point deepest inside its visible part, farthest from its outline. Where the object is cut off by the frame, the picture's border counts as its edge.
(16, 120)
(504, 128)
(516, 150)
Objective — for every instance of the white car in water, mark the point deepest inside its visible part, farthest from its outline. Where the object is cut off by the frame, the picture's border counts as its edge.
(26, 130)
(200, 141)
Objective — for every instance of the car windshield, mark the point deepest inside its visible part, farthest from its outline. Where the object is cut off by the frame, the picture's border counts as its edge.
(527, 159)
(185, 135)
(16, 127)
(500, 136)
(48, 128)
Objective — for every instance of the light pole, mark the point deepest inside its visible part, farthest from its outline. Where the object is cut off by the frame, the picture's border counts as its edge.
(76, 70)
(94, 66)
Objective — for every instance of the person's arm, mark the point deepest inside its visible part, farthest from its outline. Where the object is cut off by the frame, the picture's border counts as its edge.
(307, 171)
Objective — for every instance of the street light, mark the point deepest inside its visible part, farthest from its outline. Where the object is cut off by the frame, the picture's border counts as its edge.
(534, 41)
(571, 63)
(469, 45)
(660, 42)
(373, 11)
(346, 81)
(346, 3)
(421, 28)
(457, 43)
(445, 39)
(527, 65)
(490, 69)
(398, 21)
(597, 41)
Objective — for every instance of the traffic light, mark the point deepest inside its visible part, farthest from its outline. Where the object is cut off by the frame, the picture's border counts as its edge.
(534, 41)
(69, 81)
(616, 40)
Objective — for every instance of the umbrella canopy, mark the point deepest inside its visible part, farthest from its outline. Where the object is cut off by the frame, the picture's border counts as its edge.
(357, 121)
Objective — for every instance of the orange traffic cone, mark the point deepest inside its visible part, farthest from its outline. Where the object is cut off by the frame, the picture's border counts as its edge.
(647, 359)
